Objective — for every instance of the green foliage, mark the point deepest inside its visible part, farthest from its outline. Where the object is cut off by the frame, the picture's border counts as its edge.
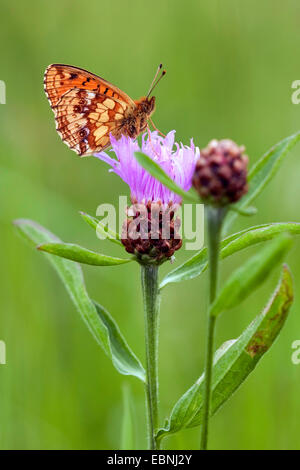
(101, 228)
(100, 323)
(234, 361)
(197, 264)
(247, 212)
(80, 254)
(250, 275)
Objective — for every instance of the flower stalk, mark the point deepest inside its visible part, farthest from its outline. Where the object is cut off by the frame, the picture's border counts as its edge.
(220, 178)
(214, 220)
(150, 229)
(149, 277)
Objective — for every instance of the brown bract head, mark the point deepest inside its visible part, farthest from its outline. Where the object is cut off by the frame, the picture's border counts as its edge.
(220, 175)
(151, 232)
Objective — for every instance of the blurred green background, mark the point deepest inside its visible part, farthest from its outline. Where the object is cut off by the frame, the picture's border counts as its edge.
(230, 66)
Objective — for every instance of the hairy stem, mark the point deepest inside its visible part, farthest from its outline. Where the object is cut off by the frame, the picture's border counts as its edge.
(149, 276)
(214, 220)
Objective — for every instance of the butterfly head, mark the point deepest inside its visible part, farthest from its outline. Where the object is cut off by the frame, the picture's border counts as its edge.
(146, 105)
(138, 122)
(151, 104)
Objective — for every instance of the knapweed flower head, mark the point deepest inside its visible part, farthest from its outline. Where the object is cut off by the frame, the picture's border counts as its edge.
(220, 176)
(177, 160)
(151, 229)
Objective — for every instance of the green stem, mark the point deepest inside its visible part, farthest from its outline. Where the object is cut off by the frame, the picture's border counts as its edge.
(149, 276)
(214, 218)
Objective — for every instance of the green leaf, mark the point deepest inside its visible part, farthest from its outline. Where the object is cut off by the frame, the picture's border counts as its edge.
(100, 323)
(80, 254)
(247, 212)
(262, 173)
(250, 275)
(101, 228)
(157, 172)
(234, 361)
(196, 265)
(128, 426)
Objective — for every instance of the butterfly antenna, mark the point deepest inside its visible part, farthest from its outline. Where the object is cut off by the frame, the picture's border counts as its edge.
(154, 81)
(156, 73)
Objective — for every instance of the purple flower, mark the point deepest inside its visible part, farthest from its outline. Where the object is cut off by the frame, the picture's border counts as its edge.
(177, 160)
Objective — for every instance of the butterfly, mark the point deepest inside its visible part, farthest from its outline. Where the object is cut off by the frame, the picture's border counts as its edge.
(88, 108)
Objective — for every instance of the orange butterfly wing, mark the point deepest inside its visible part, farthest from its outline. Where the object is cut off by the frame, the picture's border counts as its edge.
(87, 108)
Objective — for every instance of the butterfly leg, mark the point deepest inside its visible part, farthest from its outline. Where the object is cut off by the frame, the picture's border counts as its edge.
(149, 133)
(155, 128)
(150, 141)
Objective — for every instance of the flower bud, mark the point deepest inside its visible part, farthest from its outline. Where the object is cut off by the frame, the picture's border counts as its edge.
(220, 176)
